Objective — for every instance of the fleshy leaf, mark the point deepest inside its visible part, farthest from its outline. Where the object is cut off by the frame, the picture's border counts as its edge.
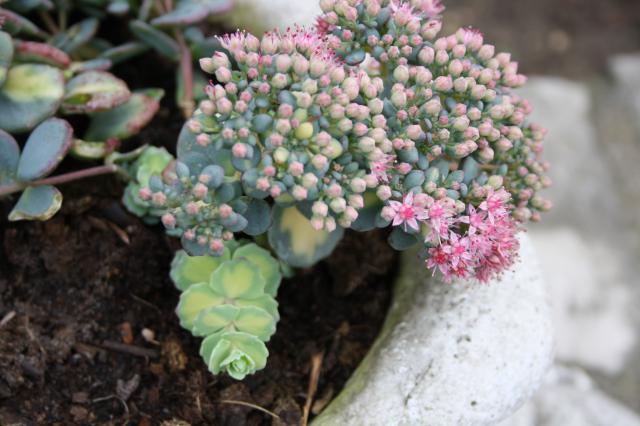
(401, 240)
(215, 318)
(94, 91)
(155, 38)
(256, 321)
(237, 279)
(296, 242)
(187, 270)
(127, 119)
(186, 12)
(77, 35)
(366, 220)
(31, 93)
(87, 150)
(6, 55)
(45, 148)
(9, 157)
(16, 24)
(31, 51)
(238, 354)
(258, 215)
(266, 302)
(266, 264)
(124, 52)
(37, 203)
(194, 300)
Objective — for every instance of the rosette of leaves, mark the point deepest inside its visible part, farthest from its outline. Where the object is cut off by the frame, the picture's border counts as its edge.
(152, 161)
(229, 300)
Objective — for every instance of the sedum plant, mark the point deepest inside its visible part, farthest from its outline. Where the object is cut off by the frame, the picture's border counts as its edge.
(229, 300)
(372, 119)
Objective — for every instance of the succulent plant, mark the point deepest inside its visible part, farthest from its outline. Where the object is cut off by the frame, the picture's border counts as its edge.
(369, 120)
(229, 300)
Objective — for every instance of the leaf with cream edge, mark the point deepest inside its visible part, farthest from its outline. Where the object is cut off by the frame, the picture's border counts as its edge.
(296, 242)
(127, 119)
(94, 91)
(37, 203)
(187, 270)
(238, 354)
(266, 264)
(30, 94)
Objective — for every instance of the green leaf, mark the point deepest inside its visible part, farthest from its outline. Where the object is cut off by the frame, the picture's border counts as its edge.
(31, 93)
(127, 119)
(37, 203)
(6, 55)
(24, 6)
(256, 321)
(76, 36)
(188, 270)
(97, 64)
(87, 150)
(31, 51)
(296, 242)
(155, 38)
(258, 215)
(194, 300)
(266, 302)
(46, 146)
(124, 52)
(401, 240)
(9, 157)
(238, 354)
(268, 266)
(214, 319)
(187, 12)
(16, 24)
(94, 91)
(237, 279)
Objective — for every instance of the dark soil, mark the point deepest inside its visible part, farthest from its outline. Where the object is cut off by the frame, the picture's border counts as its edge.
(78, 289)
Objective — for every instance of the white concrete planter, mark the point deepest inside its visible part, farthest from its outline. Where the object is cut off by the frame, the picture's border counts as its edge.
(452, 354)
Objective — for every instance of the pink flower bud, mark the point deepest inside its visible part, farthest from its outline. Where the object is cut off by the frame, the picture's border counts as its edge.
(168, 220)
(159, 199)
(144, 193)
(239, 150)
(200, 191)
(383, 192)
(299, 193)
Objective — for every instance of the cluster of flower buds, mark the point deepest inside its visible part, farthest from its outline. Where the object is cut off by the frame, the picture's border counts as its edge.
(372, 100)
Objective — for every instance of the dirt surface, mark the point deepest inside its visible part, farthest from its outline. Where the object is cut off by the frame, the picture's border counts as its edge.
(77, 292)
(76, 289)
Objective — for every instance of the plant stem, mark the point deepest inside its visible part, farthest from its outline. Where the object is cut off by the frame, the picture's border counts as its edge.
(54, 180)
(186, 66)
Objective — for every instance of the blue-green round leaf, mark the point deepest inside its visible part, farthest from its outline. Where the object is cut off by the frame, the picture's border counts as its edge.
(401, 240)
(127, 119)
(296, 242)
(31, 93)
(37, 203)
(9, 157)
(6, 55)
(94, 91)
(258, 215)
(46, 147)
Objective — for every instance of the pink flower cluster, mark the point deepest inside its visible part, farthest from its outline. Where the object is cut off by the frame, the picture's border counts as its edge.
(480, 244)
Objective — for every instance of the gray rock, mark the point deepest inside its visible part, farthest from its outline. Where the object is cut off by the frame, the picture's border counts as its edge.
(569, 398)
(452, 354)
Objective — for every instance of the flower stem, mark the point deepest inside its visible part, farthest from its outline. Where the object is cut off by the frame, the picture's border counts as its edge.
(186, 66)
(54, 180)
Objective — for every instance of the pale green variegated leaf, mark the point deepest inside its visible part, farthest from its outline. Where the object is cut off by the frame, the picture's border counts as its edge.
(193, 301)
(296, 242)
(266, 302)
(37, 203)
(237, 279)
(30, 94)
(46, 147)
(215, 318)
(238, 354)
(187, 270)
(266, 264)
(255, 321)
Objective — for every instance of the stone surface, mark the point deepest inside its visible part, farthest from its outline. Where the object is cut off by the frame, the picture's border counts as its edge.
(452, 354)
(569, 398)
(258, 16)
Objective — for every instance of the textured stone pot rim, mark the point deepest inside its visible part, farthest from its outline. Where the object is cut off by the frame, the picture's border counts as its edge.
(464, 301)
